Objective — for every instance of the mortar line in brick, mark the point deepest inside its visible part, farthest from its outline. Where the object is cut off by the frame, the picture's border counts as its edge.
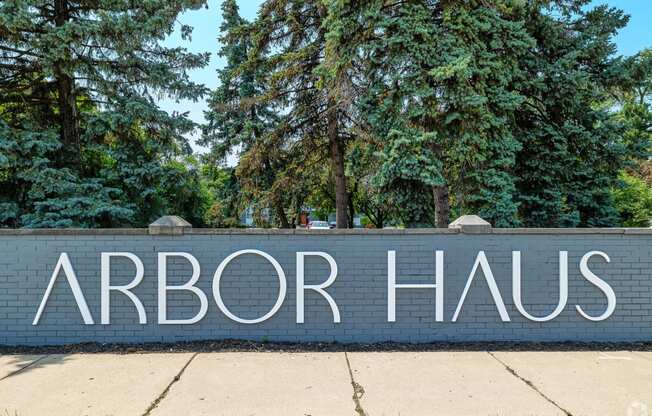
(21, 369)
(165, 392)
(529, 383)
(358, 390)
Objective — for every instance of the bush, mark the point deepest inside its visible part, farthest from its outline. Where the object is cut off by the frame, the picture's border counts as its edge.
(633, 201)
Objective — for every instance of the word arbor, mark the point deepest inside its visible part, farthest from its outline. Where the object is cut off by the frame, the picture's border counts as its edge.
(64, 265)
(105, 287)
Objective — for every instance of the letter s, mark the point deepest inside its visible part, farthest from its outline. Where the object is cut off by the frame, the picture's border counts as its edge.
(601, 284)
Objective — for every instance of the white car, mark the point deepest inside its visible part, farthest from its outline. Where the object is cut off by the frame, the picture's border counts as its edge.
(319, 225)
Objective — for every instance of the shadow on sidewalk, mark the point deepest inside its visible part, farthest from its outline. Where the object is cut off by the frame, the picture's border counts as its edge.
(22, 363)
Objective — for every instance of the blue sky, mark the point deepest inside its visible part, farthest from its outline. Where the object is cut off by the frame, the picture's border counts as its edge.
(206, 23)
(636, 36)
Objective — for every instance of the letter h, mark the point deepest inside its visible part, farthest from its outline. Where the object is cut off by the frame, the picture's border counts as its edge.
(392, 286)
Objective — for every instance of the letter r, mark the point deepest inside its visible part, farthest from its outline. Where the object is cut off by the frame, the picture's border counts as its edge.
(317, 288)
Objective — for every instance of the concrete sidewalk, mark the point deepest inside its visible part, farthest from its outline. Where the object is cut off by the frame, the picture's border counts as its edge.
(373, 384)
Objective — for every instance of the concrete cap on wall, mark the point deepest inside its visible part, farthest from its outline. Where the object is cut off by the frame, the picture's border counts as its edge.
(169, 225)
(471, 224)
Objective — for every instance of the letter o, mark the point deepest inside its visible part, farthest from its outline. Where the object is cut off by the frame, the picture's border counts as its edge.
(281, 292)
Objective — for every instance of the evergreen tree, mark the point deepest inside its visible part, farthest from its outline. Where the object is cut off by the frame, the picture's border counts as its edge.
(234, 120)
(633, 97)
(572, 147)
(498, 107)
(83, 141)
(440, 93)
(289, 42)
(240, 120)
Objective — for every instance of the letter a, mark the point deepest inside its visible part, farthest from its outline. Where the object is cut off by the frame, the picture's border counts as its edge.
(481, 261)
(64, 262)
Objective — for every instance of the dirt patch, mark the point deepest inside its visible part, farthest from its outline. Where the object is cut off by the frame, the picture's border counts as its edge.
(230, 345)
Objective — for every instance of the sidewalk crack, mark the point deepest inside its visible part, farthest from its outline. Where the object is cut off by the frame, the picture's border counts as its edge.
(165, 392)
(529, 383)
(358, 390)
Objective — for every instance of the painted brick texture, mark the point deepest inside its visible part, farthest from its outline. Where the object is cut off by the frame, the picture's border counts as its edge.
(250, 286)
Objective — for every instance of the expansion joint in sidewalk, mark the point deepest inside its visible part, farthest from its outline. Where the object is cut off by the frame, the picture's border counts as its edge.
(165, 392)
(358, 390)
(529, 383)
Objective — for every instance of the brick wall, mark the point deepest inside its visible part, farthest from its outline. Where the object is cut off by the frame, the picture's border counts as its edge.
(250, 286)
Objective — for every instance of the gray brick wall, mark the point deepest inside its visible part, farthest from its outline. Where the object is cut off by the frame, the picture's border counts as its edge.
(249, 286)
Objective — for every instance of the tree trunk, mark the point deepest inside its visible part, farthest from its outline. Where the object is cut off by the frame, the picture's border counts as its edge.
(337, 162)
(67, 99)
(68, 110)
(280, 215)
(351, 211)
(380, 220)
(442, 206)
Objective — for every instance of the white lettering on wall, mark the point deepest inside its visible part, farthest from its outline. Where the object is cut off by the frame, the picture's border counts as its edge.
(563, 286)
(163, 288)
(281, 292)
(301, 286)
(481, 261)
(64, 262)
(392, 286)
(601, 284)
(106, 287)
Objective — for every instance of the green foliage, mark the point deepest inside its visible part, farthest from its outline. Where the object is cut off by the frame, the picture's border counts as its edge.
(214, 216)
(439, 80)
(236, 118)
(572, 147)
(502, 104)
(407, 113)
(222, 184)
(243, 122)
(633, 200)
(83, 142)
(633, 95)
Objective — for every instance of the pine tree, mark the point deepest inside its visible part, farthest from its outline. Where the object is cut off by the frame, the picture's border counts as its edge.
(440, 93)
(572, 147)
(84, 142)
(497, 107)
(234, 121)
(240, 121)
(289, 41)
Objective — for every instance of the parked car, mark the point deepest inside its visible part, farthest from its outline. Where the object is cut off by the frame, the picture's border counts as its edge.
(318, 225)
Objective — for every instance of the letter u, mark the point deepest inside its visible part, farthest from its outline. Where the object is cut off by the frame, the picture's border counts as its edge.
(563, 286)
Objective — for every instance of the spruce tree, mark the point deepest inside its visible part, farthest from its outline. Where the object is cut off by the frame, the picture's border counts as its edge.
(572, 146)
(439, 80)
(240, 121)
(84, 143)
(498, 107)
(289, 41)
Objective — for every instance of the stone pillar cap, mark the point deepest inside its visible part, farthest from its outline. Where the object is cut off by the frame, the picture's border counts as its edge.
(471, 224)
(169, 225)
